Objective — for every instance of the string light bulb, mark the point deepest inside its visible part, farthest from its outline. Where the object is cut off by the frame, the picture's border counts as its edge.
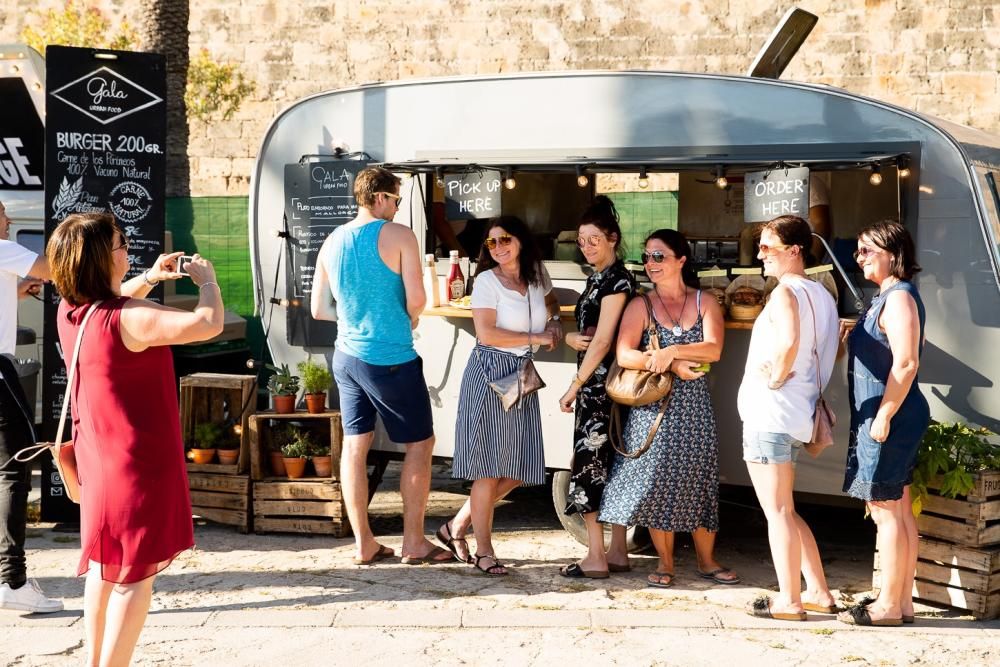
(721, 181)
(902, 167)
(581, 178)
(643, 178)
(508, 179)
(439, 177)
(876, 176)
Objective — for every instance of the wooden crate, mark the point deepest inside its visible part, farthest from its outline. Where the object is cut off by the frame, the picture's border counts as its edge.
(956, 576)
(299, 506)
(973, 521)
(215, 397)
(260, 432)
(222, 498)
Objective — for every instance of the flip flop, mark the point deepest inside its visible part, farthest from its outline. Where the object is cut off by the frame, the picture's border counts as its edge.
(619, 568)
(659, 583)
(714, 576)
(574, 571)
(821, 608)
(448, 540)
(761, 608)
(382, 553)
(430, 558)
(909, 620)
(858, 615)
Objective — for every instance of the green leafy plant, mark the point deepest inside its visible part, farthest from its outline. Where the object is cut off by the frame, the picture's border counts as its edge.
(77, 24)
(300, 446)
(955, 452)
(318, 449)
(316, 379)
(282, 383)
(215, 88)
(229, 438)
(207, 435)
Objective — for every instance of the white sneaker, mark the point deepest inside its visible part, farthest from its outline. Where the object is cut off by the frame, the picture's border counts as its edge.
(28, 598)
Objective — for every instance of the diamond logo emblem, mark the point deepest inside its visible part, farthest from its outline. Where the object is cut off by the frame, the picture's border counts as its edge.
(106, 96)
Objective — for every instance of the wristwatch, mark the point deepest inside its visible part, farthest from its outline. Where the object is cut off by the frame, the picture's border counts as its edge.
(555, 318)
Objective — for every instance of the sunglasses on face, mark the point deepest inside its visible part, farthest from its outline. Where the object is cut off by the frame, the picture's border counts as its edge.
(124, 246)
(771, 249)
(492, 242)
(864, 251)
(591, 241)
(655, 256)
(395, 198)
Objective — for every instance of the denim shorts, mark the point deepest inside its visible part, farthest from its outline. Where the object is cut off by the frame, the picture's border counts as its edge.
(397, 394)
(774, 448)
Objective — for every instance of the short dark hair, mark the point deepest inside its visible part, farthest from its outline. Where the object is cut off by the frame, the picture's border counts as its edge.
(80, 254)
(894, 238)
(602, 214)
(372, 180)
(678, 245)
(530, 257)
(793, 231)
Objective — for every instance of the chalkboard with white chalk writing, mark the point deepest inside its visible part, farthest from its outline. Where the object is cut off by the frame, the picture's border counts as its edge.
(473, 195)
(768, 194)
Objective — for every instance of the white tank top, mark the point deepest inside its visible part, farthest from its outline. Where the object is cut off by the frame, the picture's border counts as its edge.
(789, 409)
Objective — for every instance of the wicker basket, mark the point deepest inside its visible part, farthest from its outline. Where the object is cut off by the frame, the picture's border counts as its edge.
(740, 312)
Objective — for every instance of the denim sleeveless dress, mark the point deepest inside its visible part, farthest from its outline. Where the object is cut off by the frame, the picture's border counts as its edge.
(880, 471)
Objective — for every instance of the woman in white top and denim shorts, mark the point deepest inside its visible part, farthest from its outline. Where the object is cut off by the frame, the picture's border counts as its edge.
(777, 400)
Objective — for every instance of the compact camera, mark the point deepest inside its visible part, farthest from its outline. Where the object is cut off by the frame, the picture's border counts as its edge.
(182, 263)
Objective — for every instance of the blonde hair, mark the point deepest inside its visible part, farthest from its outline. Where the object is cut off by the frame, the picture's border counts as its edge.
(371, 181)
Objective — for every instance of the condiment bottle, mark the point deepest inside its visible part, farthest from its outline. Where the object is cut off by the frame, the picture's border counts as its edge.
(431, 282)
(456, 281)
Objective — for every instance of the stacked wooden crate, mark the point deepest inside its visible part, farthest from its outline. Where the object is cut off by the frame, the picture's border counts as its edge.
(219, 493)
(304, 505)
(959, 554)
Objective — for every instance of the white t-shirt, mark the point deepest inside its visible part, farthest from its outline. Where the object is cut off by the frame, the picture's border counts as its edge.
(511, 306)
(789, 409)
(15, 260)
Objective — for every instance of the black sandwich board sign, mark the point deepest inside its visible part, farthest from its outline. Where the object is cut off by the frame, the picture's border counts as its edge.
(472, 195)
(105, 138)
(319, 197)
(22, 138)
(781, 191)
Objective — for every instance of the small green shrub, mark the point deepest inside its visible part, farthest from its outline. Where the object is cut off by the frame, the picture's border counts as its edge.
(207, 435)
(316, 379)
(301, 446)
(956, 452)
(282, 383)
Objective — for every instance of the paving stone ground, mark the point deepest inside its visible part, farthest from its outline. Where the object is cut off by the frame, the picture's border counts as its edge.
(261, 599)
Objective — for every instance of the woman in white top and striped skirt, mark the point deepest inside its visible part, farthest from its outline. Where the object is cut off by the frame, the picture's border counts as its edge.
(514, 312)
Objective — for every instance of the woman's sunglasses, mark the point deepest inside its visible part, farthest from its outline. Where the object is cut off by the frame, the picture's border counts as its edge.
(865, 251)
(771, 249)
(592, 241)
(124, 246)
(655, 256)
(492, 242)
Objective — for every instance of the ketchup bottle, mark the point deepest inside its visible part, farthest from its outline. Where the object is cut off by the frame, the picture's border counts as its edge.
(456, 281)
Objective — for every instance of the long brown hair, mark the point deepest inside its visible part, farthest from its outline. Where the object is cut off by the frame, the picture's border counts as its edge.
(80, 254)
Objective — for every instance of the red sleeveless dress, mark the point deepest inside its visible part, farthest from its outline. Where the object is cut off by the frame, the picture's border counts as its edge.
(135, 509)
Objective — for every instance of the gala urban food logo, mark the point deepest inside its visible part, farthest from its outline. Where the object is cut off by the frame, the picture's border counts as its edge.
(106, 96)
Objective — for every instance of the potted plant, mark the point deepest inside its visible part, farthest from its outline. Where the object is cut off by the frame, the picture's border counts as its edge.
(321, 459)
(295, 455)
(280, 436)
(206, 438)
(316, 379)
(956, 453)
(229, 446)
(283, 387)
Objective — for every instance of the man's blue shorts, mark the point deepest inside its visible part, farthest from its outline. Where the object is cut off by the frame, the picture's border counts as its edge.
(397, 394)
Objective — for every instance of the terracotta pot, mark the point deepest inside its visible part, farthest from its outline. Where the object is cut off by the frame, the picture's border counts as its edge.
(283, 405)
(316, 403)
(278, 464)
(323, 465)
(295, 467)
(202, 455)
(229, 457)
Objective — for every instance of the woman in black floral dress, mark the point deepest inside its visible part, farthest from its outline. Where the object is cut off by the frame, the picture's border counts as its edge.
(597, 314)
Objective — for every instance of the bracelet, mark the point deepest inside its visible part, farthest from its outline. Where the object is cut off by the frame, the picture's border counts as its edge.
(204, 285)
(577, 380)
(145, 279)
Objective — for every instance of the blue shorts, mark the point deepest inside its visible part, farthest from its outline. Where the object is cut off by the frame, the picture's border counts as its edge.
(397, 394)
(774, 448)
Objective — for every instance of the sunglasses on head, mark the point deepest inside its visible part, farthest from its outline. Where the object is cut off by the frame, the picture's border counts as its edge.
(492, 242)
(655, 256)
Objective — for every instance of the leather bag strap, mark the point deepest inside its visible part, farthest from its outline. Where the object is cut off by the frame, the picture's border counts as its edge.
(615, 430)
(72, 371)
(819, 384)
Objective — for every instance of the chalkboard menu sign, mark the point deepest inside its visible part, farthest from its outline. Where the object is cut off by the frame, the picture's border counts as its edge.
(22, 138)
(105, 132)
(473, 195)
(319, 197)
(768, 194)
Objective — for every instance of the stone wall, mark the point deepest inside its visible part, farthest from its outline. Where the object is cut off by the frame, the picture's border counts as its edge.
(939, 56)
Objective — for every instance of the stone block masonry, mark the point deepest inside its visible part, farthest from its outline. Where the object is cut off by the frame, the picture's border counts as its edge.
(939, 57)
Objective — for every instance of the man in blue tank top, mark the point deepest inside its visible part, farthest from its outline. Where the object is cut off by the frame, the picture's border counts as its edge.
(368, 279)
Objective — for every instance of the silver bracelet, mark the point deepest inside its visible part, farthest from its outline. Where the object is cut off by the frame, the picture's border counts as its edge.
(145, 279)
(204, 285)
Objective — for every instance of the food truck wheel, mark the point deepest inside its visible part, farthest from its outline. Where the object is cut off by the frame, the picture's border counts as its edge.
(638, 537)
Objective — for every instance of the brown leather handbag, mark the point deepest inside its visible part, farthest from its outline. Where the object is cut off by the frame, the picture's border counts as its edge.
(523, 380)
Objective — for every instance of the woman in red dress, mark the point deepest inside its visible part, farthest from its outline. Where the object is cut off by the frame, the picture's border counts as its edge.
(134, 504)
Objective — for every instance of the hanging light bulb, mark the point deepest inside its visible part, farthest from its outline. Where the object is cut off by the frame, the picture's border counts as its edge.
(721, 181)
(643, 178)
(902, 167)
(439, 177)
(581, 178)
(508, 179)
(876, 177)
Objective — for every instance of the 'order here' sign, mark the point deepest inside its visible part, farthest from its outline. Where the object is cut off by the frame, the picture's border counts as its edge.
(768, 194)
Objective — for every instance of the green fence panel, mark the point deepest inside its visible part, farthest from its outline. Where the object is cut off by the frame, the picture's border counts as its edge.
(641, 213)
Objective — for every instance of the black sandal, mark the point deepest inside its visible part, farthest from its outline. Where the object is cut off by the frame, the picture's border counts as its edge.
(492, 570)
(448, 540)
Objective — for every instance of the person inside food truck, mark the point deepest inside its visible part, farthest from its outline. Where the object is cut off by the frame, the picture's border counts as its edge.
(465, 236)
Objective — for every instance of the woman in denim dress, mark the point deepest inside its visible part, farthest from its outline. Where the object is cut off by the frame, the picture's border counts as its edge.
(889, 415)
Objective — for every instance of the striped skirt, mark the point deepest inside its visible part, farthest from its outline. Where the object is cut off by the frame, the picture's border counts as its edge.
(489, 441)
